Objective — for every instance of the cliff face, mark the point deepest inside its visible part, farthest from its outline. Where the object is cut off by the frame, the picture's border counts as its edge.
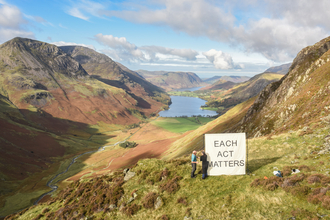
(298, 100)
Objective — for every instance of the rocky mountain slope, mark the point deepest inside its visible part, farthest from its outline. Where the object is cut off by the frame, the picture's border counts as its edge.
(300, 99)
(174, 80)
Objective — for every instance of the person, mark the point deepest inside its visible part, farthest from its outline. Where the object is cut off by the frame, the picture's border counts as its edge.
(203, 158)
(193, 163)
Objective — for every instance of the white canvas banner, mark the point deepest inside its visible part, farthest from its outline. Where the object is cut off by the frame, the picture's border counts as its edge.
(226, 153)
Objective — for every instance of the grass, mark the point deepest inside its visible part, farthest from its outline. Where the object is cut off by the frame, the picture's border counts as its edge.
(181, 125)
(224, 196)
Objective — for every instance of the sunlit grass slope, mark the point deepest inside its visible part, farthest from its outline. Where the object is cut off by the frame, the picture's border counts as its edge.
(217, 197)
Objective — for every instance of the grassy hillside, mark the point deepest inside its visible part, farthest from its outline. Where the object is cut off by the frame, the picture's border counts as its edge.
(235, 197)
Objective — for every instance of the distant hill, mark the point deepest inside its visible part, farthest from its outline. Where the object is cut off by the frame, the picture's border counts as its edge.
(149, 74)
(282, 69)
(234, 79)
(172, 80)
(220, 85)
(224, 95)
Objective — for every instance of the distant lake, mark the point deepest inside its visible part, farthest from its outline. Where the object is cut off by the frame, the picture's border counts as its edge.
(186, 106)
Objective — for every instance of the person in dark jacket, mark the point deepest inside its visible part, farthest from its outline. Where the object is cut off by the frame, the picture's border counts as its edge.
(205, 164)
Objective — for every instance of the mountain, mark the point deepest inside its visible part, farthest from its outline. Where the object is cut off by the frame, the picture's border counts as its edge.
(300, 99)
(173, 80)
(103, 68)
(282, 69)
(51, 107)
(234, 79)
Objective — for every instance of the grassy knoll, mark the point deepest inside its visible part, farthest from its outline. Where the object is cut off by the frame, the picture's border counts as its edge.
(181, 125)
(217, 197)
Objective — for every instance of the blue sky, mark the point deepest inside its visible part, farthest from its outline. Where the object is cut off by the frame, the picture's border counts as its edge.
(208, 37)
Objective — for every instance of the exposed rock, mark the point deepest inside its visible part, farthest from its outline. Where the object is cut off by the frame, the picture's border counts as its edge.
(112, 207)
(125, 170)
(129, 175)
(158, 202)
(130, 200)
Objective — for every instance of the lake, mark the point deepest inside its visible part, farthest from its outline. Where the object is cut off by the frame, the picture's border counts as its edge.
(186, 106)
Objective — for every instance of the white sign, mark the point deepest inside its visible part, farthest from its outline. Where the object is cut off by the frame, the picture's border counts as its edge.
(226, 153)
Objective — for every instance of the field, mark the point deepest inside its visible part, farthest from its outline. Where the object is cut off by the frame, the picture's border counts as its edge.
(181, 125)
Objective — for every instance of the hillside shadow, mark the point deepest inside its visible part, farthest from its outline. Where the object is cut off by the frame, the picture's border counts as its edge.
(141, 102)
(114, 83)
(34, 144)
(255, 164)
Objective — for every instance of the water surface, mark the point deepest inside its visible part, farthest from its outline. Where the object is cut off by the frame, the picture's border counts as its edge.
(186, 106)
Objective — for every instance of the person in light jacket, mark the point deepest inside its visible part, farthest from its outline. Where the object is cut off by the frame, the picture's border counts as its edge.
(193, 163)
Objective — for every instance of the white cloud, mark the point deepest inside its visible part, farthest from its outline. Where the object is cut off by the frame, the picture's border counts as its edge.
(75, 12)
(187, 54)
(124, 50)
(10, 17)
(277, 30)
(80, 8)
(62, 43)
(11, 22)
(221, 60)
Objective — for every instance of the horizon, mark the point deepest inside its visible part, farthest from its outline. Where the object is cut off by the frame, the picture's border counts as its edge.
(204, 37)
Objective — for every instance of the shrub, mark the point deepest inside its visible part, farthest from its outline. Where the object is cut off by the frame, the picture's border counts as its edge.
(131, 209)
(325, 180)
(303, 214)
(128, 144)
(272, 186)
(164, 174)
(149, 200)
(304, 167)
(326, 202)
(315, 178)
(164, 217)
(300, 191)
(172, 185)
(287, 170)
(315, 199)
(182, 200)
(256, 182)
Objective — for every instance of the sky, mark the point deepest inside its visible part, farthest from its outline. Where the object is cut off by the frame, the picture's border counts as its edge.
(207, 37)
